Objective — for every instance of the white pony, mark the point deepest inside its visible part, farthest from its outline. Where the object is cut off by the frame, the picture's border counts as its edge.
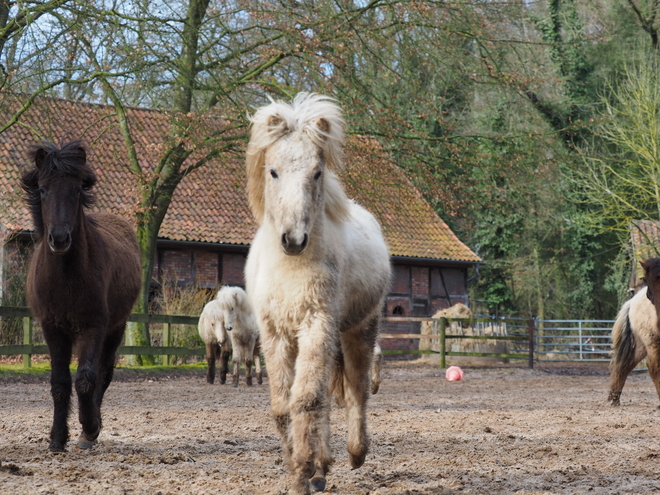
(316, 275)
(230, 314)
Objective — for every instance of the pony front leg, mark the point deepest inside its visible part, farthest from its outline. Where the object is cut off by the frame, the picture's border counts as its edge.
(212, 352)
(280, 357)
(310, 407)
(87, 380)
(236, 358)
(59, 348)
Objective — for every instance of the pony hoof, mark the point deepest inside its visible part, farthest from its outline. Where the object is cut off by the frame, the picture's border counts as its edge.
(85, 444)
(616, 403)
(357, 461)
(318, 483)
(374, 389)
(234, 385)
(56, 448)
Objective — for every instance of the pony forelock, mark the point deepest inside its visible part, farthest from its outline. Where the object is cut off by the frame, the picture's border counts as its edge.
(232, 296)
(317, 116)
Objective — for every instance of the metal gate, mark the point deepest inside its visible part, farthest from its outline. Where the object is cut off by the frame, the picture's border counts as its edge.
(573, 340)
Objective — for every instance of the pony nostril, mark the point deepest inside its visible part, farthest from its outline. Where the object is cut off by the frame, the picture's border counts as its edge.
(305, 241)
(285, 240)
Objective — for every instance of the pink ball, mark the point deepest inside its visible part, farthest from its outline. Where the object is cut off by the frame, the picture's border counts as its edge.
(454, 374)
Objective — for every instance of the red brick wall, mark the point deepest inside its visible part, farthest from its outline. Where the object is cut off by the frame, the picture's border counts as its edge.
(177, 266)
(420, 280)
(400, 279)
(206, 268)
(232, 269)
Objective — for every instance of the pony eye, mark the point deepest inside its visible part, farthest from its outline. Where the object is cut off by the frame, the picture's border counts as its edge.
(42, 190)
(273, 173)
(317, 175)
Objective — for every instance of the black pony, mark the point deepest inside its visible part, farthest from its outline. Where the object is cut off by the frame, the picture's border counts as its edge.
(83, 280)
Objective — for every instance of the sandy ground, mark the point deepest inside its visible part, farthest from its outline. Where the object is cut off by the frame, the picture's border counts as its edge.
(513, 431)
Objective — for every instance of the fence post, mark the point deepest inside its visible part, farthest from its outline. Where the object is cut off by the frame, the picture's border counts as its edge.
(531, 343)
(443, 327)
(580, 337)
(435, 333)
(166, 342)
(27, 340)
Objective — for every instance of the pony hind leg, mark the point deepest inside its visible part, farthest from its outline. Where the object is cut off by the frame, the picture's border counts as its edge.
(59, 347)
(629, 352)
(376, 369)
(257, 363)
(653, 363)
(248, 354)
(358, 354)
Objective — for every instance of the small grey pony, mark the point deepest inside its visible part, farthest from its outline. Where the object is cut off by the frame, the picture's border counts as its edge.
(227, 323)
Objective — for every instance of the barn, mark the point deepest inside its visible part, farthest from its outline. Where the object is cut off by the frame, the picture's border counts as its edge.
(205, 237)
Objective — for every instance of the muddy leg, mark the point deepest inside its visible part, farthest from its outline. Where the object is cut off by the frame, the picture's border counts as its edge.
(358, 353)
(224, 361)
(257, 362)
(376, 369)
(653, 362)
(620, 371)
(211, 351)
(87, 382)
(310, 408)
(248, 372)
(280, 359)
(237, 355)
(59, 347)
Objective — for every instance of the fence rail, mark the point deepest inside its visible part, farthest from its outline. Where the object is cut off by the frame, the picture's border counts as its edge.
(532, 339)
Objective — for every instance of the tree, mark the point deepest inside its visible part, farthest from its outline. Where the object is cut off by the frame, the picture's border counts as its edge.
(620, 183)
(32, 35)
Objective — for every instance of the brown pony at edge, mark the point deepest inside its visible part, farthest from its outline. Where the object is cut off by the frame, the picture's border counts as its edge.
(83, 280)
(636, 335)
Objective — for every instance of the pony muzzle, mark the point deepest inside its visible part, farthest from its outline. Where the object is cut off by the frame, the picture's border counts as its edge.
(292, 246)
(59, 242)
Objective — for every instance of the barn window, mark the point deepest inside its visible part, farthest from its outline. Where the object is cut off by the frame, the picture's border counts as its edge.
(398, 311)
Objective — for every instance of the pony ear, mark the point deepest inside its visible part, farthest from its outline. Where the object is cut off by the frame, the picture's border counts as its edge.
(39, 157)
(645, 266)
(83, 153)
(324, 126)
(277, 125)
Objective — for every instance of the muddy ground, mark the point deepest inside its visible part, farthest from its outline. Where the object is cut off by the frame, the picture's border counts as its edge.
(504, 430)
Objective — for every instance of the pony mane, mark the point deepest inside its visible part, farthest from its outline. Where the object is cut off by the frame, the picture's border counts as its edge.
(319, 117)
(230, 296)
(212, 309)
(50, 161)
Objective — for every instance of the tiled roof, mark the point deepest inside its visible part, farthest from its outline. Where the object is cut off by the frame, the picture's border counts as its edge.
(210, 204)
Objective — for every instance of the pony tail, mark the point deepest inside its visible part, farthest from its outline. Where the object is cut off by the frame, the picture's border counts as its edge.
(623, 341)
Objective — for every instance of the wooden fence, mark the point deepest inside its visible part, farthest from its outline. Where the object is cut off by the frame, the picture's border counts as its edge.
(438, 335)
